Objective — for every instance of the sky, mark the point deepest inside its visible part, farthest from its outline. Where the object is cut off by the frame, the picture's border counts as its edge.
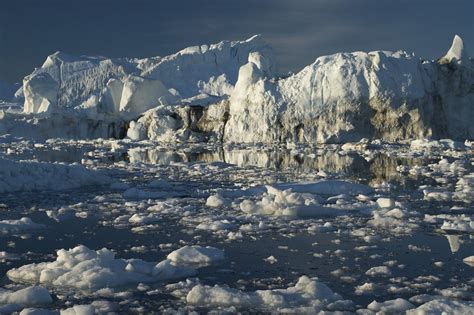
(299, 30)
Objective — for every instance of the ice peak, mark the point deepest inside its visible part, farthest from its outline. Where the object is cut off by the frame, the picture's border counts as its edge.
(457, 53)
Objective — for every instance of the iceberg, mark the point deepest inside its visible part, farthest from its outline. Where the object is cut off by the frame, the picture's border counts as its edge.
(230, 92)
(346, 97)
(136, 85)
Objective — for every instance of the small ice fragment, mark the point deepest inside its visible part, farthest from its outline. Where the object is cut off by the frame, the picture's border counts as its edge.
(271, 259)
(386, 203)
(469, 261)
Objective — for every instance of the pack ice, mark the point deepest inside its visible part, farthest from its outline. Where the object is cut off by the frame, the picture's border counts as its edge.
(229, 92)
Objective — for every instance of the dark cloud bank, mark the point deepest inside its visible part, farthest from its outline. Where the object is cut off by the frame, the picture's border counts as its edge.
(299, 30)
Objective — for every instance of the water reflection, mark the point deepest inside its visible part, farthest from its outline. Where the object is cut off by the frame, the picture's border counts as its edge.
(380, 168)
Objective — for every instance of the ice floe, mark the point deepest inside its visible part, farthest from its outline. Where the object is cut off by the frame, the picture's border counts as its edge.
(308, 295)
(86, 269)
(11, 301)
(196, 255)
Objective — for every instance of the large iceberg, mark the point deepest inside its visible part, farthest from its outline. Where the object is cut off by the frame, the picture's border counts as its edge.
(229, 92)
(349, 96)
(136, 85)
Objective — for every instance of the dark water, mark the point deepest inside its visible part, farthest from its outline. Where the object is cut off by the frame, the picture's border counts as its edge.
(244, 266)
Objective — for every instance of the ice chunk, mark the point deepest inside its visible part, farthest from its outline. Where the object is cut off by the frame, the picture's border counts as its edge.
(96, 307)
(385, 203)
(16, 300)
(86, 269)
(457, 53)
(144, 219)
(196, 255)
(460, 223)
(469, 261)
(216, 201)
(328, 187)
(306, 293)
(379, 271)
(301, 203)
(443, 306)
(18, 226)
(392, 306)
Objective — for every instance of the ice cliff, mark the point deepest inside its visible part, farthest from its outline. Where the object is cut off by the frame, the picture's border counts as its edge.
(228, 92)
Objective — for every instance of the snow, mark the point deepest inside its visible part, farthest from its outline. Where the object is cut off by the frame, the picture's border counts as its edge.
(86, 269)
(30, 175)
(196, 255)
(307, 294)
